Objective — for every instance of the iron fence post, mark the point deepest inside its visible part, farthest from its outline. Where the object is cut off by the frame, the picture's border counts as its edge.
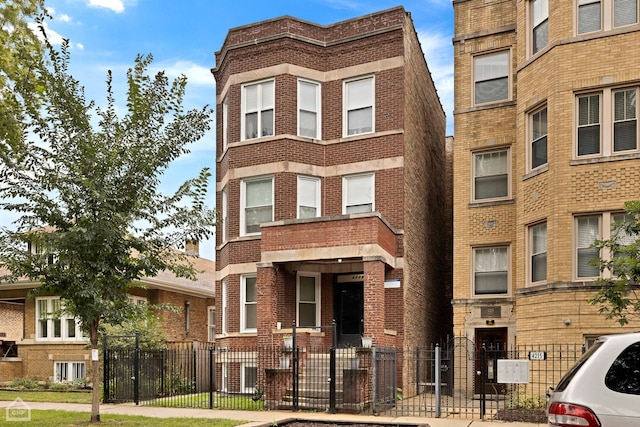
(332, 380)
(294, 370)
(136, 371)
(438, 382)
(211, 377)
(483, 381)
(105, 369)
(374, 388)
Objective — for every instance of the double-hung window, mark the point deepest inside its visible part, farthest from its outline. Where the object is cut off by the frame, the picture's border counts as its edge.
(538, 252)
(53, 324)
(225, 124)
(491, 175)
(308, 299)
(359, 96)
(625, 12)
(257, 204)
(211, 323)
(223, 304)
(248, 377)
(607, 122)
(308, 197)
(598, 15)
(258, 104)
(68, 371)
(587, 231)
(249, 302)
(309, 109)
(589, 16)
(539, 138)
(491, 77)
(539, 24)
(225, 216)
(491, 271)
(358, 193)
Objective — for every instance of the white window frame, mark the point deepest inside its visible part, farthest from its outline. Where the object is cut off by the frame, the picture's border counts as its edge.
(73, 368)
(243, 380)
(316, 108)
(539, 15)
(607, 15)
(475, 175)
(345, 191)
(223, 326)
(360, 105)
(474, 270)
(224, 235)
(243, 203)
(211, 323)
(584, 243)
(491, 74)
(259, 110)
(225, 124)
(538, 133)
(302, 195)
(535, 250)
(317, 286)
(54, 304)
(607, 122)
(244, 303)
(136, 300)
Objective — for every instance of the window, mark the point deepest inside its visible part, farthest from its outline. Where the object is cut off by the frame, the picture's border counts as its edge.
(491, 77)
(623, 238)
(309, 109)
(539, 138)
(588, 125)
(308, 197)
(538, 251)
(491, 175)
(211, 324)
(616, 13)
(308, 299)
(187, 317)
(257, 204)
(258, 109)
(359, 109)
(587, 230)
(136, 300)
(589, 16)
(68, 371)
(248, 377)
(224, 307)
(607, 122)
(491, 271)
(225, 124)
(249, 319)
(539, 24)
(225, 216)
(622, 376)
(625, 123)
(358, 193)
(53, 324)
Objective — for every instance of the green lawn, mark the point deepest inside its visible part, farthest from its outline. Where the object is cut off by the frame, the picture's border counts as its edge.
(66, 419)
(46, 396)
(201, 400)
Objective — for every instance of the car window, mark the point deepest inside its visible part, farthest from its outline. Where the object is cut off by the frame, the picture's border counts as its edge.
(624, 374)
(564, 382)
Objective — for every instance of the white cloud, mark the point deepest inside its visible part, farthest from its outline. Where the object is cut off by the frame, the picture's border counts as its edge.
(80, 46)
(54, 37)
(64, 18)
(196, 74)
(114, 5)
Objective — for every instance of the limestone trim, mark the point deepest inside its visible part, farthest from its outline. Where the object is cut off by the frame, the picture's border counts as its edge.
(331, 252)
(236, 269)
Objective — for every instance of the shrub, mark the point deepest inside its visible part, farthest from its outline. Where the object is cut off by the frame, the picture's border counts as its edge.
(24, 383)
(523, 401)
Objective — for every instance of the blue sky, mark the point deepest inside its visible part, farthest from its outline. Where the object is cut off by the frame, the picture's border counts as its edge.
(183, 36)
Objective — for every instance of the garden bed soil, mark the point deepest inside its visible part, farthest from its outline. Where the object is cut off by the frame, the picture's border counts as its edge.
(522, 415)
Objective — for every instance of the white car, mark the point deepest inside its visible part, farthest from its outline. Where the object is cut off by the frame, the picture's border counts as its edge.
(603, 388)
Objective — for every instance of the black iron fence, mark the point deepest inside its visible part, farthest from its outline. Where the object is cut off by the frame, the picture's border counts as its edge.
(453, 380)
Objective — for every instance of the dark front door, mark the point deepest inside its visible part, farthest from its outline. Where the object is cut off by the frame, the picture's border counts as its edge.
(349, 306)
(495, 342)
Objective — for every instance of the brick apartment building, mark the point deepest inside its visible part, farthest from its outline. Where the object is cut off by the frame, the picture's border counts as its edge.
(332, 184)
(546, 153)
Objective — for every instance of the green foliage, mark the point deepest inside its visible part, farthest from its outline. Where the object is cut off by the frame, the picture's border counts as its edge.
(524, 401)
(174, 384)
(24, 383)
(146, 323)
(620, 259)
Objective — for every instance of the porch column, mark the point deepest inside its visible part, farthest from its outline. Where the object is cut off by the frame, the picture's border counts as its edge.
(267, 293)
(374, 307)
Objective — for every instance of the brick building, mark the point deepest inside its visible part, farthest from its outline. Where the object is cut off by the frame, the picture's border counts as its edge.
(332, 184)
(34, 343)
(546, 152)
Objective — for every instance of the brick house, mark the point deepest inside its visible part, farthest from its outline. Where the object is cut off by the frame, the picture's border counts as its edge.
(36, 345)
(332, 181)
(546, 153)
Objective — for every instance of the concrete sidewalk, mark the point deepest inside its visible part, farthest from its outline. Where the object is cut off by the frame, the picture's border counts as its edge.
(256, 418)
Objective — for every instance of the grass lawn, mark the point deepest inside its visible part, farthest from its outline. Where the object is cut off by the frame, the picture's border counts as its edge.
(66, 419)
(46, 396)
(201, 400)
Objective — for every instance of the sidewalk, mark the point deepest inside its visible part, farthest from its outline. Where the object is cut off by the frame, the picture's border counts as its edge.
(257, 418)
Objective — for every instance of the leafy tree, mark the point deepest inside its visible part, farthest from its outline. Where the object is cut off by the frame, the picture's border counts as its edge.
(84, 183)
(620, 259)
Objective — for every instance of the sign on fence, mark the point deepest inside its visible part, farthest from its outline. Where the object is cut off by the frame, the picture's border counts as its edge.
(513, 371)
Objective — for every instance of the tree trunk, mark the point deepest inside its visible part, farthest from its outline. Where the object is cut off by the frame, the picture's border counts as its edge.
(95, 373)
